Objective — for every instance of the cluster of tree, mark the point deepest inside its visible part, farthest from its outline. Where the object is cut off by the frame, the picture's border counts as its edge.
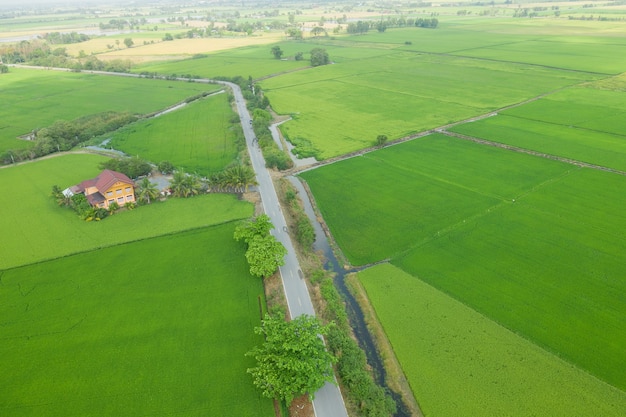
(264, 254)
(274, 157)
(186, 185)
(305, 233)
(38, 52)
(132, 167)
(237, 178)
(319, 56)
(72, 37)
(292, 360)
(121, 24)
(3, 69)
(63, 135)
(370, 399)
(361, 26)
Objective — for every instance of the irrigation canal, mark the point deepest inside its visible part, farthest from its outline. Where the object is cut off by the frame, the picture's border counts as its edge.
(355, 314)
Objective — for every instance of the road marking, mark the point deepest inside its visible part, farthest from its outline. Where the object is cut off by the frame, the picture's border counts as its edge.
(299, 301)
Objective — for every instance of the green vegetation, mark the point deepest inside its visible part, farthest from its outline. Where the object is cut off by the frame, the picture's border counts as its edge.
(264, 252)
(495, 229)
(32, 215)
(254, 61)
(459, 362)
(32, 99)
(203, 137)
(583, 123)
(414, 92)
(292, 360)
(404, 195)
(549, 267)
(159, 326)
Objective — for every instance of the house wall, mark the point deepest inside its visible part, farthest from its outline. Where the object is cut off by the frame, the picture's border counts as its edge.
(121, 193)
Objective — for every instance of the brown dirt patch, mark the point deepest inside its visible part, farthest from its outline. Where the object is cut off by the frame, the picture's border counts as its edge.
(301, 407)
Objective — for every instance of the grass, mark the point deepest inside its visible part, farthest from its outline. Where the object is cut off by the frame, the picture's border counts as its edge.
(406, 194)
(254, 61)
(157, 327)
(33, 216)
(550, 267)
(530, 243)
(198, 137)
(583, 123)
(399, 94)
(33, 99)
(459, 362)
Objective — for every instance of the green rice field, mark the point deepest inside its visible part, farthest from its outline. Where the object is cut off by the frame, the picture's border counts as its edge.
(33, 99)
(459, 362)
(532, 244)
(583, 123)
(198, 138)
(47, 231)
(156, 327)
(254, 61)
(398, 95)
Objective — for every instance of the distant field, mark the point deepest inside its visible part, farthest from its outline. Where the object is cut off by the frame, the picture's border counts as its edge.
(406, 194)
(198, 137)
(33, 99)
(256, 61)
(157, 327)
(584, 123)
(459, 362)
(47, 231)
(342, 108)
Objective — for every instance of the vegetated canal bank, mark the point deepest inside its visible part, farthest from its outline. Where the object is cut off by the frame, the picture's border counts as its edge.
(353, 309)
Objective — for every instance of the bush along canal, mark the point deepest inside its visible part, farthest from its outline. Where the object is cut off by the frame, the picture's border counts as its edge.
(353, 309)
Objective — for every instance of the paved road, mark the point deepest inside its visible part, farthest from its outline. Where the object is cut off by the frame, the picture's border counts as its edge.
(328, 400)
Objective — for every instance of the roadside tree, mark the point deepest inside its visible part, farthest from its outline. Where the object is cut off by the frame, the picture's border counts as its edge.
(293, 359)
(265, 255)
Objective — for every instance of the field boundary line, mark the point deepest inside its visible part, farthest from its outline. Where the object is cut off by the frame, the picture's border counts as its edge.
(530, 152)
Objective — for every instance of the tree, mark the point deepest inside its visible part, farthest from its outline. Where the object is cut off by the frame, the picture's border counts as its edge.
(4, 69)
(319, 56)
(294, 33)
(260, 226)
(317, 31)
(381, 140)
(165, 167)
(265, 255)
(147, 191)
(277, 52)
(128, 42)
(185, 185)
(298, 56)
(293, 359)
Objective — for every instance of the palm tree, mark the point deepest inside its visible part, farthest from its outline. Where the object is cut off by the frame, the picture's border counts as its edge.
(147, 191)
(185, 185)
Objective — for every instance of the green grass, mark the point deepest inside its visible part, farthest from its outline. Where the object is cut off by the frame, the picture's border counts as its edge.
(157, 327)
(254, 61)
(199, 137)
(47, 231)
(549, 266)
(343, 107)
(585, 124)
(33, 99)
(459, 362)
(403, 195)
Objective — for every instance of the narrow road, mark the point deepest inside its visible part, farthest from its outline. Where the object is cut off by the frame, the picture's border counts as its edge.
(328, 400)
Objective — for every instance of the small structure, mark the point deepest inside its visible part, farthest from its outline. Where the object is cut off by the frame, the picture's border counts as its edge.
(107, 188)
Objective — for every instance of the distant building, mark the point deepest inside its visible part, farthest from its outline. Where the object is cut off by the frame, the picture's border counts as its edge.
(107, 188)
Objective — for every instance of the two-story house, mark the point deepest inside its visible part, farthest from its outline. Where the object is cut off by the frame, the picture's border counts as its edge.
(108, 187)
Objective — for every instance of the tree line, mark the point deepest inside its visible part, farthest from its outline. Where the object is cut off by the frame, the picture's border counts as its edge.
(363, 26)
